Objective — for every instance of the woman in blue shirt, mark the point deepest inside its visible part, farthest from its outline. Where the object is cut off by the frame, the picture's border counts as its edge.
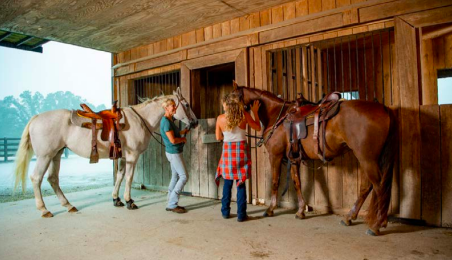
(174, 145)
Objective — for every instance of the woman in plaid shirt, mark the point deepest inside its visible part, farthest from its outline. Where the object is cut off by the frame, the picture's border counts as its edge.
(235, 162)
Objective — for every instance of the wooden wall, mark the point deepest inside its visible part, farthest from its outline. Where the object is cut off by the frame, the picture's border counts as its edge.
(250, 40)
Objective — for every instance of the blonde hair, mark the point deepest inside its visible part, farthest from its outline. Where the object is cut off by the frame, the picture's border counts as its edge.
(234, 110)
(166, 102)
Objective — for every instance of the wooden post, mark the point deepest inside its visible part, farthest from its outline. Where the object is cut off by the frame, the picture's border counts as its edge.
(5, 149)
(406, 60)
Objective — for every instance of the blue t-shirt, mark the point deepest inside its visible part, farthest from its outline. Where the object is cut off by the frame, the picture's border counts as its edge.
(168, 125)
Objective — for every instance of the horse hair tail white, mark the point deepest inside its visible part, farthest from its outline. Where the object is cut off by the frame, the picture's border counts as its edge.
(23, 157)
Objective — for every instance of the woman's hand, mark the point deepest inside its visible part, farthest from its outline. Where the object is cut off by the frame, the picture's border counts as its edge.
(255, 106)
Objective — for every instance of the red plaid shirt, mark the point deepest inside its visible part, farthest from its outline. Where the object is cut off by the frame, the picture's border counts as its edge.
(235, 162)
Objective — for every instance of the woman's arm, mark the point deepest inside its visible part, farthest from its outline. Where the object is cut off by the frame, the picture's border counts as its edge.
(254, 123)
(175, 140)
(218, 132)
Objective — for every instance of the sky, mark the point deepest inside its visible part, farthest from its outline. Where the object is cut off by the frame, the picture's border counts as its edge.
(61, 67)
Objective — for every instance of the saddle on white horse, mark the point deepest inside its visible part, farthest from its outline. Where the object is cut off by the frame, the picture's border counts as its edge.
(109, 122)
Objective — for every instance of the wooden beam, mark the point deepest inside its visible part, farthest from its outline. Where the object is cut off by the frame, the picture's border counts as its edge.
(212, 60)
(436, 32)
(406, 61)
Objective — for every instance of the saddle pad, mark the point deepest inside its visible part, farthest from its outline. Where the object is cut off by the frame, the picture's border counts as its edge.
(86, 122)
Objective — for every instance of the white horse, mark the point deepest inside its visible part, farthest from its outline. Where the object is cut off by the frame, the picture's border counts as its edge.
(47, 135)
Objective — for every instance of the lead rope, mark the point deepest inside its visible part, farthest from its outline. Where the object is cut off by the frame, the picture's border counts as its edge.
(144, 123)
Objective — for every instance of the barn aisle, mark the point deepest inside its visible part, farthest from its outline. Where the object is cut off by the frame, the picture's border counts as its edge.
(101, 231)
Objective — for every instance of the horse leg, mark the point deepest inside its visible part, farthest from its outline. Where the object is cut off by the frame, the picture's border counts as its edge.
(54, 181)
(42, 164)
(119, 176)
(130, 169)
(365, 189)
(276, 171)
(294, 170)
(373, 173)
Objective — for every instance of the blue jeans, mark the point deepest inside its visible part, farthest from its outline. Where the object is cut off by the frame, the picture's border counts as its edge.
(179, 177)
(226, 200)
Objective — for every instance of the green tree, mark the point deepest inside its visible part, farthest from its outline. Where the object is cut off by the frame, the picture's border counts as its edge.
(16, 112)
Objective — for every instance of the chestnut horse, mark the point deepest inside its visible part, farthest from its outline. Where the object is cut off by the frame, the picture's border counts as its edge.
(367, 128)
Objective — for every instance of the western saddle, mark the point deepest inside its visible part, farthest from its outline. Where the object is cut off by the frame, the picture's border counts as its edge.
(302, 115)
(110, 127)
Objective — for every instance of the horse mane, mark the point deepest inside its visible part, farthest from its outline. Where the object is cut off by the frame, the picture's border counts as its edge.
(267, 94)
(150, 100)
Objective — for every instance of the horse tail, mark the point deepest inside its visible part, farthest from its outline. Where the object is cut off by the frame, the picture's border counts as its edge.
(386, 164)
(23, 157)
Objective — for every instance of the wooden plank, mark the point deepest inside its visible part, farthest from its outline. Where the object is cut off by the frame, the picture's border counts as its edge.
(203, 159)
(448, 50)
(350, 180)
(208, 33)
(395, 8)
(265, 17)
(255, 20)
(315, 6)
(211, 60)
(231, 44)
(258, 67)
(429, 77)
(321, 189)
(217, 30)
(188, 38)
(289, 10)
(301, 8)
(244, 23)
(335, 182)
(200, 35)
(152, 63)
(241, 68)
(302, 28)
(277, 14)
(290, 76)
(446, 164)
(409, 124)
(226, 28)
(235, 25)
(212, 160)
(195, 160)
(341, 3)
(177, 41)
(328, 5)
(431, 164)
(187, 160)
(169, 44)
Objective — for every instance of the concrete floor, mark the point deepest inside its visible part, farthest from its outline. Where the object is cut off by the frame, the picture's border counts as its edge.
(101, 231)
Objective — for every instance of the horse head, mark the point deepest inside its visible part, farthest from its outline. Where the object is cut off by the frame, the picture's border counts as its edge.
(184, 112)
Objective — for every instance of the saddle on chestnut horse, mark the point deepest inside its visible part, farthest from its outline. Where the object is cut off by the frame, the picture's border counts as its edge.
(302, 115)
(110, 126)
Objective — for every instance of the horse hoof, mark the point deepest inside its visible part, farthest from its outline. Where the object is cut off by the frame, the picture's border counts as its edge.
(73, 210)
(268, 214)
(131, 205)
(346, 223)
(370, 232)
(300, 216)
(47, 215)
(118, 203)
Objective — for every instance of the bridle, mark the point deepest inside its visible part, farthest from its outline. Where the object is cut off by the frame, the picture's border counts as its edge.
(263, 139)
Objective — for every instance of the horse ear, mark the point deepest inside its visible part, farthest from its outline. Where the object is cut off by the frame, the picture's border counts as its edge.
(178, 91)
(234, 84)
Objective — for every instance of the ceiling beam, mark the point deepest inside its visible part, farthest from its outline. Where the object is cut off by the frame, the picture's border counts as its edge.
(4, 36)
(24, 40)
